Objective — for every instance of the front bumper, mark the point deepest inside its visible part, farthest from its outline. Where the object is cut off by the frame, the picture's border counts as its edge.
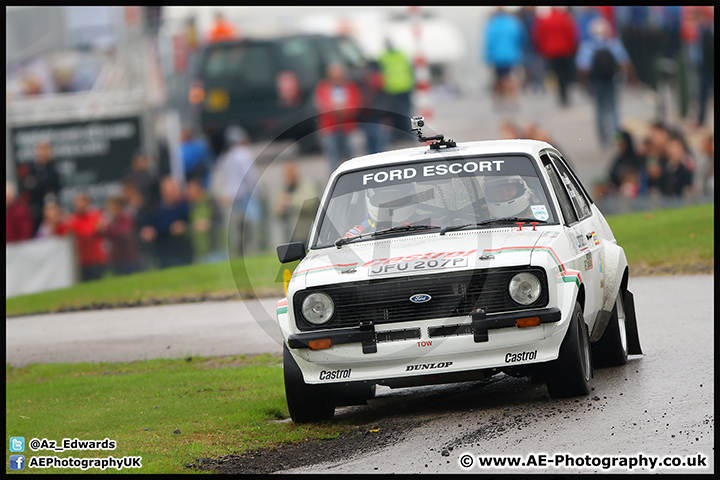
(367, 335)
(430, 347)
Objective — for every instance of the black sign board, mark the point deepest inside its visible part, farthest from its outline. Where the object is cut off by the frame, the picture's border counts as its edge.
(91, 156)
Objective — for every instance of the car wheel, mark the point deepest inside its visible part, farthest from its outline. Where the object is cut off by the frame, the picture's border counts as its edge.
(306, 403)
(570, 374)
(612, 348)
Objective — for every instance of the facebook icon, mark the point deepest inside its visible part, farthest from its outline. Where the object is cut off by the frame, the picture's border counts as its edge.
(17, 462)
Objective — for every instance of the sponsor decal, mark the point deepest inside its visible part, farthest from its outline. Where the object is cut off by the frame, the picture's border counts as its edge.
(602, 262)
(335, 374)
(420, 298)
(427, 366)
(581, 242)
(588, 261)
(540, 212)
(595, 238)
(418, 256)
(424, 343)
(348, 270)
(423, 261)
(520, 357)
(440, 169)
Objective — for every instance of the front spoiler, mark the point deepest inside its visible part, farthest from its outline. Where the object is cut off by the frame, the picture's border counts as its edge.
(366, 334)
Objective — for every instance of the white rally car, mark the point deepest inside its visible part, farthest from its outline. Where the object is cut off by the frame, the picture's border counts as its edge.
(452, 262)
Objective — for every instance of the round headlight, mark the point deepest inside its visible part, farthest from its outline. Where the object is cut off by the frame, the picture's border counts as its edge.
(524, 288)
(317, 308)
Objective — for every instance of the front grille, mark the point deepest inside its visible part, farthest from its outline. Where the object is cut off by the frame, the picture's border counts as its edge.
(388, 300)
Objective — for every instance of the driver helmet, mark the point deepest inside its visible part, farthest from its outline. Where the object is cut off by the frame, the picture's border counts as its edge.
(391, 204)
(506, 196)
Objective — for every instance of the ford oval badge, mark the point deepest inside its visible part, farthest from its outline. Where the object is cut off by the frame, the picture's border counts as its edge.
(420, 298)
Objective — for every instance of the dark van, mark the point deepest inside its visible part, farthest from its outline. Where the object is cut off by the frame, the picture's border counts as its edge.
(266, 85)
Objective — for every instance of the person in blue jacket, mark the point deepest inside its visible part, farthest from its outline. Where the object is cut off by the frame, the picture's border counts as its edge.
(196, 156)
(505, 39)
(601, 60)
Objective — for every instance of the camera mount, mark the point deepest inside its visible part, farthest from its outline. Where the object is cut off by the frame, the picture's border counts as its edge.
(416, 124)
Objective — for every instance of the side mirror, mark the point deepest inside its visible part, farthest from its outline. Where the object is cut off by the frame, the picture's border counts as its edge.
(289, 252)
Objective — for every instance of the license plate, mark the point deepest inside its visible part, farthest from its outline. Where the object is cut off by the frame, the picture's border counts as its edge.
(418, 266)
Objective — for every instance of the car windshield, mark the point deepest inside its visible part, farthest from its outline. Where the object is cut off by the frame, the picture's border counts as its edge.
(245, 64)
(448, 194)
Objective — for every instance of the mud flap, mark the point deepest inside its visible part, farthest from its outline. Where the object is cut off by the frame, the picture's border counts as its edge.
(633, 339)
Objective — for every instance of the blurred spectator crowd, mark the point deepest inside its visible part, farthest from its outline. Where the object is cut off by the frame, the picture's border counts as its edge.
(154, 222)
(600, 47)
(661, 163)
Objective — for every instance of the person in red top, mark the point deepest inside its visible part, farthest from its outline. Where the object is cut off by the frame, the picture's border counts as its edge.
(222, 30)
(18, 221)
(337, 100)
(89, 225)
(124, 253)
(556, 38)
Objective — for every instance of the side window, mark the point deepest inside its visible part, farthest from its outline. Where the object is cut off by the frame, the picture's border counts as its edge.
(577, 196)
(574, 175)
(562, 195)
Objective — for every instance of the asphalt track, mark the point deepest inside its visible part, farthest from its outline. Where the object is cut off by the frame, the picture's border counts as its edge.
(659, 404)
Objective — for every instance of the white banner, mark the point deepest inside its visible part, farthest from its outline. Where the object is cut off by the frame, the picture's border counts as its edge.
(40, 264)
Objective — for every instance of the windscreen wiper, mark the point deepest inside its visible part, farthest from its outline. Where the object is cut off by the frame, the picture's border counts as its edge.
(403, 228)
(491, 221)
(345, 240)
(385, 231)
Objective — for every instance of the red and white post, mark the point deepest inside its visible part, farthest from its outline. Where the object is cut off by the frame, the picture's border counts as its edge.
(422, 70)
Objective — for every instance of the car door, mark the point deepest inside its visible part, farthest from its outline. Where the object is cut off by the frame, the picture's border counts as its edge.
(587, 233)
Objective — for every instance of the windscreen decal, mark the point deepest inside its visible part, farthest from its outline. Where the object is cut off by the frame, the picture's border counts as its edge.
(359, 180)
(566, 275)
(540, 212)
(440, 169)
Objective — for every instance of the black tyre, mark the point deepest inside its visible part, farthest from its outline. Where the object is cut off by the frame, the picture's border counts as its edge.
(307, 403)
(570, 374)
(612, 348)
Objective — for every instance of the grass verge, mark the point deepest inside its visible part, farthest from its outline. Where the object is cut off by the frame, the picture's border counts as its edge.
(676, 240)
(219, 405)
(662, 241)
